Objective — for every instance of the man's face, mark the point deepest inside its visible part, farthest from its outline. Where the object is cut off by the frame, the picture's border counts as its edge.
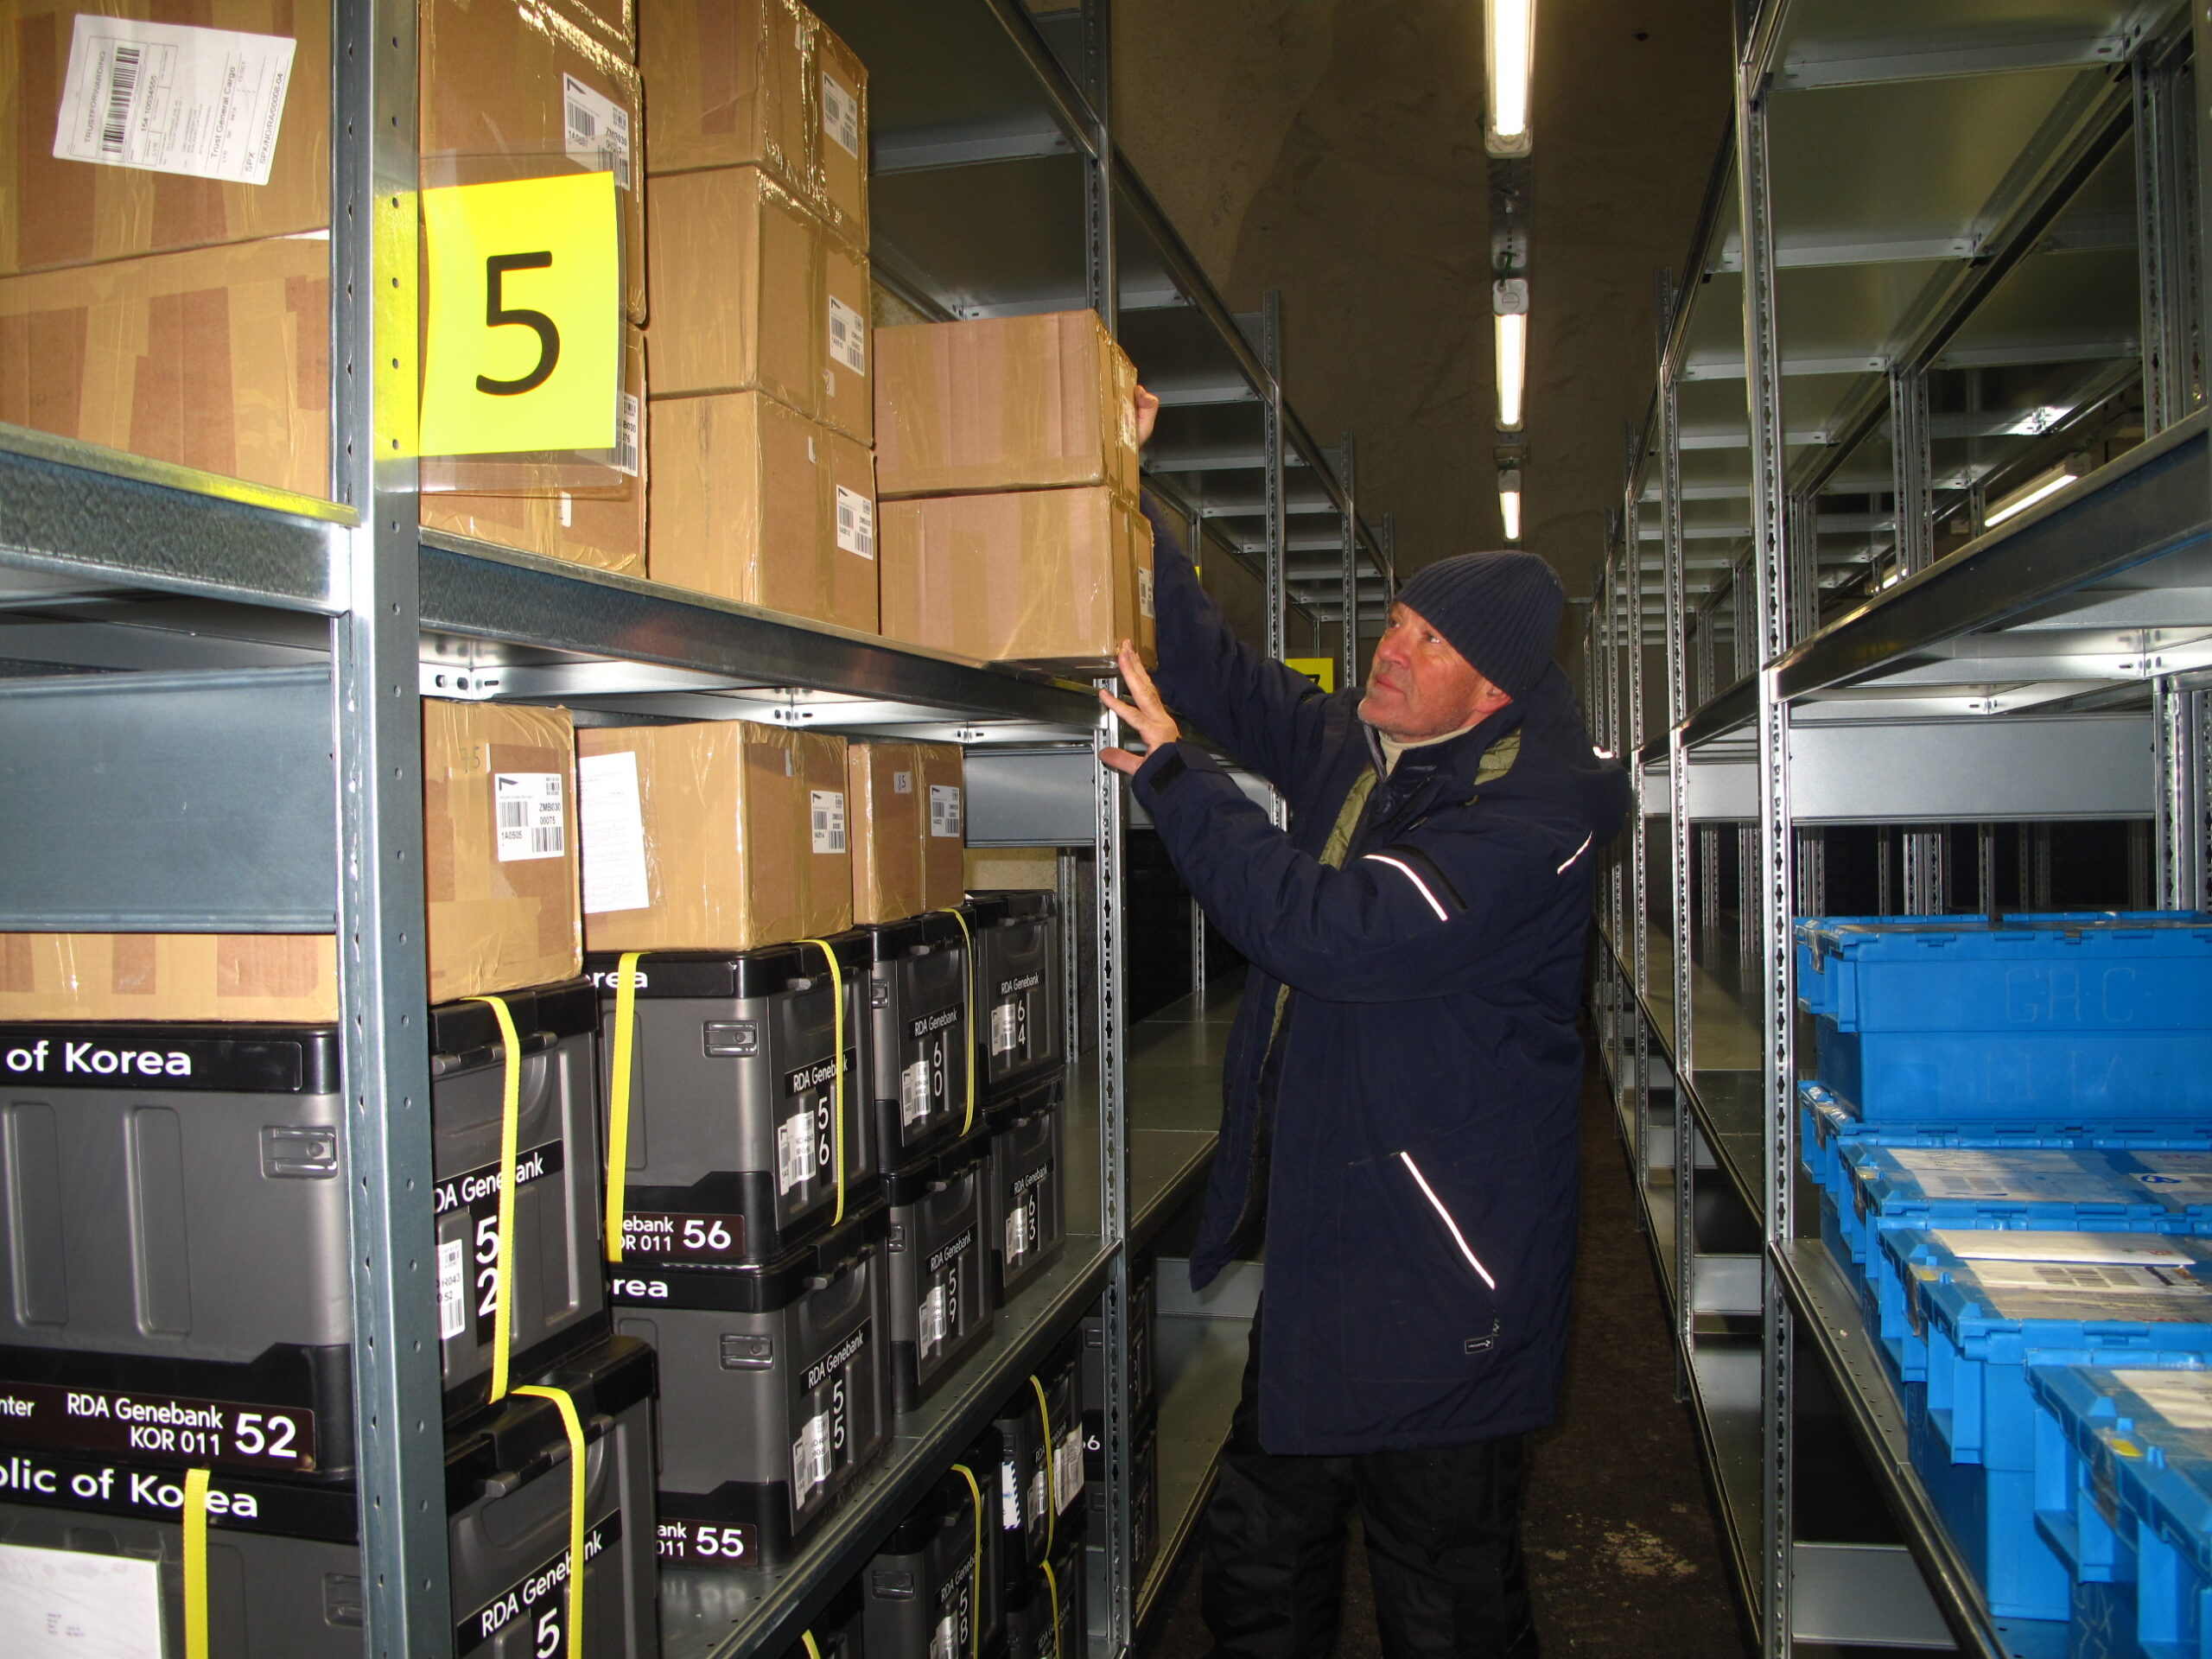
(1420, 686)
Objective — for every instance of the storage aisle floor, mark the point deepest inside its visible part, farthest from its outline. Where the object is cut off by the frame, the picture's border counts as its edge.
(1622, 1546)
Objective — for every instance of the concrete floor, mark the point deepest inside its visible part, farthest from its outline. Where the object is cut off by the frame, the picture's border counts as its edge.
(1622, 1547)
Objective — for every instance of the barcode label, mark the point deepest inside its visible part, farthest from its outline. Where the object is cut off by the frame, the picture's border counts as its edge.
(597, 130)
(1005, 1022)
(856, 522)
(794, 1151)
(170, 97)
(452, 1289)
(913, 1094)
(828, 810)
(1009, 1497)
(1144, 591)
(811, 1457)
(1017, 1235)
(930, 1321)
(944, 810)
(626, 437)
(848, 336)
(840, 116)
(531, 821)
(1067, 1468)
(945, 1641)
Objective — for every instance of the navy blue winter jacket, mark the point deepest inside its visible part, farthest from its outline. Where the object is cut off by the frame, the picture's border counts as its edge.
(1409, 1140)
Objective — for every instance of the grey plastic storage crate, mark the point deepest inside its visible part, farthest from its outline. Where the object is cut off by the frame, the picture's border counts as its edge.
(1044, 1611)
(1026, 1216)
(775, 1391)
(179, 1238)
(285, 1572)
(929, 1591)
(1021, 1004)
(918, 1055)
(941, 1304)
(734, 1149)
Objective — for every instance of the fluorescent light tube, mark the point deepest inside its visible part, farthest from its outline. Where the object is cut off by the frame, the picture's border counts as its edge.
(1508, 504)
(1508, 301)
(1509, 54)
(2042, 484)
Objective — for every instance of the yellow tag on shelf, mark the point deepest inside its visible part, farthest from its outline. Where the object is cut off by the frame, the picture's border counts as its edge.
(525, 307)
(1322, 670)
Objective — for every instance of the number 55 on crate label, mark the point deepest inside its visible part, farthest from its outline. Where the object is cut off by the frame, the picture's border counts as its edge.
(524, 347)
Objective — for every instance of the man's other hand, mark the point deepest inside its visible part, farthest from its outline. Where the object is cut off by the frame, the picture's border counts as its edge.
(1146, 712)
(1147, 407)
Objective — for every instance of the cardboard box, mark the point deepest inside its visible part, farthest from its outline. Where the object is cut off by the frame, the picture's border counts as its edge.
(479, 127)
(1055, 577)
(499, 859)
(217, 359)
(847, 390)
(886, 795)
(55, 213)
(744, 506)
(737, 297)
(267, 978)
(719, 836)
(839, 132)
(1003, 404)
(942, 785)
(613, 23)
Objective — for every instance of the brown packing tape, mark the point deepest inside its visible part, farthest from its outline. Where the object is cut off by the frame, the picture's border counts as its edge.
(738, 303)
(729, 81)
(55, 213)
(216, 358)
(848, 395)
(268, 978)
(889, 823)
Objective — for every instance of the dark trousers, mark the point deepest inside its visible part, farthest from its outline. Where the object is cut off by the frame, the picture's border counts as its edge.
(1443, 1545)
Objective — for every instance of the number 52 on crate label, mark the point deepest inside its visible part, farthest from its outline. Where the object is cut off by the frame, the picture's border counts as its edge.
(525, 306)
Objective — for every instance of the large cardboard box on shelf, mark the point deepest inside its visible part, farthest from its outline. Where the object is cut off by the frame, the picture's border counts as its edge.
(499, 859)
(602, 525)
(840, 86)
(723, 836)
(266, 978)
(515, 89)
(737, 293)
(57, 211)
(753, 502)
(848, 299)
(612, 23)
(1057, 576)
(886, 801)
(217, 359)
(1003, 404)
(944, 785)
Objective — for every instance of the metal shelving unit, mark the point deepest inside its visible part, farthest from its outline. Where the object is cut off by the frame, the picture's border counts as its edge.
(997, 189)
(1825, 603)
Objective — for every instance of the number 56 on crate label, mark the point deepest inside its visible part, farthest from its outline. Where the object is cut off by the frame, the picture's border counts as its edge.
(204, 103)
(531, 808)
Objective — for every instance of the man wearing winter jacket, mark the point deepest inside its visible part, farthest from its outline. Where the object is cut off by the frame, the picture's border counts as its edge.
(1400, 1096)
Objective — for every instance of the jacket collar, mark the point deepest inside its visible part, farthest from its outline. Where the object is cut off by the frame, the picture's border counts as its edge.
(1458, 758)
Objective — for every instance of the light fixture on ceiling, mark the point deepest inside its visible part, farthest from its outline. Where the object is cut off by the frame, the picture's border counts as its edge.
(1509, 502)
(1508, 304)
(1508, 53)
(2048, 482)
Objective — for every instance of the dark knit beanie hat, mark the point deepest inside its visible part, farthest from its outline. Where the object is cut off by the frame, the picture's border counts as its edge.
(1499, 610)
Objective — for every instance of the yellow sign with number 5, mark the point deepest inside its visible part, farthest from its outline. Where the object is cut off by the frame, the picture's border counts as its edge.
(525, 348)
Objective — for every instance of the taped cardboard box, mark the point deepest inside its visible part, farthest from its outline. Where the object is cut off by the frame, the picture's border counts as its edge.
(1056, 576)
(746, 498)
(720, 836)
(267, 978)
(1003, 404)
(737, 289)
(841, 126)
(217, 359)
(943, 784)
(499, 859)
(247, 82)
(886, 798)
(848, 392)
(561, 101)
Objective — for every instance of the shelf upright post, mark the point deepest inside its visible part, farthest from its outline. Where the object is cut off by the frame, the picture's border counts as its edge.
(1766, 883)
(1638, 940)
(383, 974)
(1276, 529)
(1389, 562)
(2162, 83)
(1348, 640)
(1608, 638)
(1912, 469)
(1105, 271)
(1108, 798)
(2180, 728)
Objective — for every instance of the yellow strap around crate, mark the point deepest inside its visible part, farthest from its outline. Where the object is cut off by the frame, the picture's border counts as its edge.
(502, 1290)
(976, 1578)
(195, 1564)
(813, 1650)
(837, 1099)
(1052, 1590)
(967, 1012)
(618, 1099)
(573, 1427)
(1051, 1468)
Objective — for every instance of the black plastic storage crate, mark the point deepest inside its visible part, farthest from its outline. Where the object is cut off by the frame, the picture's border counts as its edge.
(919, 999)
(1026, 1218)
(930, 1590)
(775, 1391)
(180, 1239)
(283, 1567)
(1020, 1002)
(735, 1150)
(941, 1306)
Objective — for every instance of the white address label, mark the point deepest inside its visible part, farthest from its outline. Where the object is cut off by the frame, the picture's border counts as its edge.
(531, 822)
(71, 1601)
(944, 810)
(828, 810)
(203, 103)
(452, 1289)
(595, 130)
(611, 823)
(856, 522)
(840, 116)
(848, 336)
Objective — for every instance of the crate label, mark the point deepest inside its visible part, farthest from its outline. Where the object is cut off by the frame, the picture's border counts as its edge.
(538, 1601)
(945, 1641)
(59, 1059)
(1010, 1027)
(913, 1094)
(529, 815)
(1009, 1497)
(1037, 1495)
(825, 1443)
(856, 522)
(453, 1288)
(1025, 1219)
(595, 130)
(811, 1458)
(476, 1194)
(209, 1432)
(2176, 1177)
(71, 1601)
(828, 810)
(848, 336)
(2182, 1398)
(2022, 1177)
(930, 1321)
(840, 116)
(2116, 1249)
(611, 827)
(731, 1543)
(200, 102)
(944, 810)
(1067, 1468)
(670, 1235)
(796, 1157)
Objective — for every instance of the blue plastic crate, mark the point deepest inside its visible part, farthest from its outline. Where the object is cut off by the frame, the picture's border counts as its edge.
(1985, 1304)
(2070, 1015)
(2123, 1498)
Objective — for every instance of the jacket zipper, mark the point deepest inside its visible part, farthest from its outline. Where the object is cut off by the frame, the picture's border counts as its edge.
(1444, 1215)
